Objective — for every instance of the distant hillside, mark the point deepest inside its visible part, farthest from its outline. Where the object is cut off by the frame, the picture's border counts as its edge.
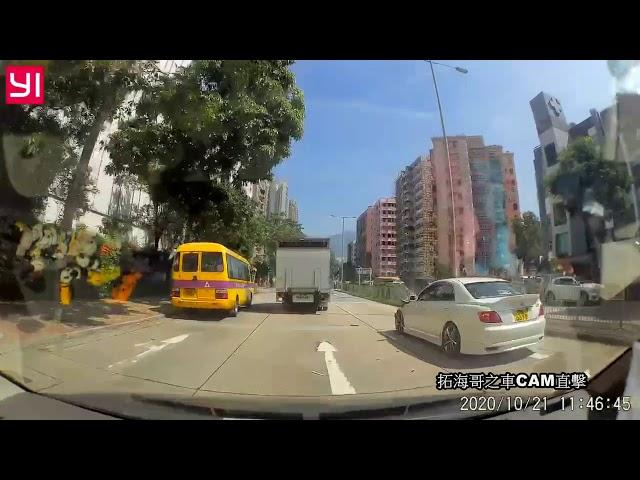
(334, 242)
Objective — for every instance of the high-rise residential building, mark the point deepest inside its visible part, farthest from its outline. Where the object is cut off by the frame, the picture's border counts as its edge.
(259, 192)
(496, 205)
(615, 129)
(278, 198)
(462, 200)
(272, 198)
(293, 211)
(417, 240)
(364, 238)
(383, 240)
(485, 199)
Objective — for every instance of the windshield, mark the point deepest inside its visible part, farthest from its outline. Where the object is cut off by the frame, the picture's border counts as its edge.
(491, 289)
(247, 235)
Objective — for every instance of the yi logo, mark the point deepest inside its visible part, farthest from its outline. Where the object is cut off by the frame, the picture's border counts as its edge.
(24, 85)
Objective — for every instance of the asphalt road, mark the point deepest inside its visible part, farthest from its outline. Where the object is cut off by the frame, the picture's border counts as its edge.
(267, 354)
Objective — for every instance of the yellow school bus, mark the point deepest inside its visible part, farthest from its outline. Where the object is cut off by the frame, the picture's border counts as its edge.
(211, 276)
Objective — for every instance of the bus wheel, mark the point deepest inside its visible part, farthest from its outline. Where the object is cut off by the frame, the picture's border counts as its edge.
(234, 311)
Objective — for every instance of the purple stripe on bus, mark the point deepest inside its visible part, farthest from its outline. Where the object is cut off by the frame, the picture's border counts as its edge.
(210, 284)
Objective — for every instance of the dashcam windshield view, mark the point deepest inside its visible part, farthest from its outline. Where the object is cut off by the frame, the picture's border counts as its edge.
(275, 239)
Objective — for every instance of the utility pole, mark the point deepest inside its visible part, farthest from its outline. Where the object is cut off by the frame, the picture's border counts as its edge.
(446, 149)
(342, 247)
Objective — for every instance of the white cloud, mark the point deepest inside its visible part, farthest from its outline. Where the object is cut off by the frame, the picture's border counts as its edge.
(368, 107)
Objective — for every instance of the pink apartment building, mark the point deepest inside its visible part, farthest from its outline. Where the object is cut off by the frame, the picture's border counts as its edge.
(383, 252)
(485, 192)
(364, 238)
(376, 238)
(512, 199)
(465, 219)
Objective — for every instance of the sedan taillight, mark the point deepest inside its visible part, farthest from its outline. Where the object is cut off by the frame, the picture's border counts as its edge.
(541, 311)
(489, 317)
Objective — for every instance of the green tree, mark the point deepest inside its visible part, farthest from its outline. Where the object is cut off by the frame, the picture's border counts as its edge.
(278, 229)
(29, 142)
(585, 176)
(162, 220)
(59, 136)
(233, 220)
(213, 123)
(31, 154)
(269, 232)
(528, 233)
(89, 93)
(350, 272)
(334, 265)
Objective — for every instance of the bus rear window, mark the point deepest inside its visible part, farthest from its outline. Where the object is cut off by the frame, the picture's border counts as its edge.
(212, 262)
(189, 262)
(491, 289)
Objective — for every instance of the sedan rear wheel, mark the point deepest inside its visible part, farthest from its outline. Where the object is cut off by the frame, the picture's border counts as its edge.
(399, 322)
(451, 338)
(584, 299)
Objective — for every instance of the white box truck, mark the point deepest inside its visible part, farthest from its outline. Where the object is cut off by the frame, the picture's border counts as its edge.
(303, 273)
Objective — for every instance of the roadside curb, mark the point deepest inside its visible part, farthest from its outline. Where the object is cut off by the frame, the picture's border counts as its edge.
(101, 327)
(71, 334)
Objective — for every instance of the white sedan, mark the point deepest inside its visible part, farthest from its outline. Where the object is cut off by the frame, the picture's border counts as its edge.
(473, 315)
(568, 289)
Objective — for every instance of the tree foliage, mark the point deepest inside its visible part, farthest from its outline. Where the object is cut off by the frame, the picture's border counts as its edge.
(585, 178)
(213, 122)
(275, 229)
(191, 140)
(334, 265)
(89, 93)
(528, 233)
(583, 171)
(55, 140)
(23, 133)
(232, 220)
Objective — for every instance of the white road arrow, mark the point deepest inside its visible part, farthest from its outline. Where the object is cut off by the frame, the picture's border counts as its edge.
(339, 383)
(151, 349)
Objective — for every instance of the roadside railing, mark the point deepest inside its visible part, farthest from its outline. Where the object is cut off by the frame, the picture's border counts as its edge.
(391, 294)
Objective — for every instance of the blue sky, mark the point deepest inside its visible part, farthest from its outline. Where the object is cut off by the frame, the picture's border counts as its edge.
(366, 120)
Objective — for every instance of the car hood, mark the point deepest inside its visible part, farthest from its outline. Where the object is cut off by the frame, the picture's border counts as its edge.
(592, 286)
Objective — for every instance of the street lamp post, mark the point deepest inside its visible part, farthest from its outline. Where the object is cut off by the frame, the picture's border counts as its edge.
(342, 248)
(446, 149)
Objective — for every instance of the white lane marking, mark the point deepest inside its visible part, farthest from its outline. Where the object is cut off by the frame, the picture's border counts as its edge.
(539, 356)
(339, 383)
(151, 349)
